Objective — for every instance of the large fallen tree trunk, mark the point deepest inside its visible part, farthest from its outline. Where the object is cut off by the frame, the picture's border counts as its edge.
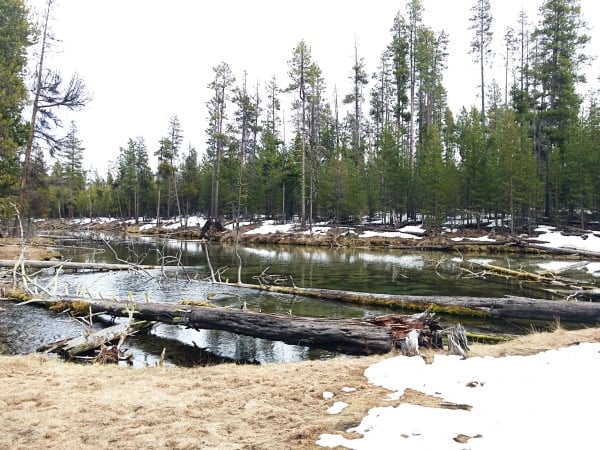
(350, 336)
(500, 308)
(548, 281)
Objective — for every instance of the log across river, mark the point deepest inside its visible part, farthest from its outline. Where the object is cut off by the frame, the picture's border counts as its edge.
(484, 307)
(364, 336)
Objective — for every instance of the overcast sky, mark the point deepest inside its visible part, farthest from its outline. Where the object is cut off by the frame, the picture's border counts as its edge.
(146, 60)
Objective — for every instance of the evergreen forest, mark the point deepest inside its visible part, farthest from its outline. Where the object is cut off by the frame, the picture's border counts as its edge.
(390, 149)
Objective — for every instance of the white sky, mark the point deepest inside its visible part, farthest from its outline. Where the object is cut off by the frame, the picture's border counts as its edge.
(146, 60)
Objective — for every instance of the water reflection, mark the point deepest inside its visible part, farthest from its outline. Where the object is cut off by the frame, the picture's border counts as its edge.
(237, 347)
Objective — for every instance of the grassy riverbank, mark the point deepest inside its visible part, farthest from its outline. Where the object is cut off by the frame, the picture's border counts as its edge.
(46, 403)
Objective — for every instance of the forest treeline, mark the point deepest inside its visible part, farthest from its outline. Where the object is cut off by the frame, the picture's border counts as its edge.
(391, 147)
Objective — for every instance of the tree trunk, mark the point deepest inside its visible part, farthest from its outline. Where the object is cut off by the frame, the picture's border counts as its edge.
(34, 112)
(494, 308)
(84, 344)
(367, 336)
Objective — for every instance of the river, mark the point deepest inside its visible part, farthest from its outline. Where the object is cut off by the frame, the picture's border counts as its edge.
(24, 328)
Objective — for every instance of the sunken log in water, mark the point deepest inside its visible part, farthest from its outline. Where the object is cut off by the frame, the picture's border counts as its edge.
(493, 307)
(365, 336)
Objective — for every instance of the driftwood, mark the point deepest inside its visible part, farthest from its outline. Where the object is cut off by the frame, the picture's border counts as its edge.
(544, 277)
(494, 307)
(556, 250)
(83, 344)
(350, 336)
(550, 281)
(35, 264)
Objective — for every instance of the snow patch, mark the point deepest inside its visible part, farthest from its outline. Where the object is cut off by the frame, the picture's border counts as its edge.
(337, 407)
(511, 402)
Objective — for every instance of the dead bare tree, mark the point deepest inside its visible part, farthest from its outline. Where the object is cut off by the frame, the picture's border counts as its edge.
(49, 95)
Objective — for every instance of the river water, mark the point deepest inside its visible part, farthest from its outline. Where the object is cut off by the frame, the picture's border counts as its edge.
(24, 328)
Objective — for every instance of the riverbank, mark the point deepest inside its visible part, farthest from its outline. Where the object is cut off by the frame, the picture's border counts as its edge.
(483, 239)
(47, 403)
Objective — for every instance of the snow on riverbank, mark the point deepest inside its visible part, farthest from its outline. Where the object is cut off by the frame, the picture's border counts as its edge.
(538, 401)
(548, 236)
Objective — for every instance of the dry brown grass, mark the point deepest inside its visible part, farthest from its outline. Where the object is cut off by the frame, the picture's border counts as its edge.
(536, 342)
(10, 248)
(46, 403)
(50, 404)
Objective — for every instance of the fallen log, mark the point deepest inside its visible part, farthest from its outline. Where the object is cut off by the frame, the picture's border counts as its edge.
(556, 250)
(365, 336)
(83, 344)
(544, 277)
(484, 307)
(565, 287)
(37, 264)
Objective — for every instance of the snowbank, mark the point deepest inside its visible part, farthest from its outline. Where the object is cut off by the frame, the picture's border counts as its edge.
(538, 401)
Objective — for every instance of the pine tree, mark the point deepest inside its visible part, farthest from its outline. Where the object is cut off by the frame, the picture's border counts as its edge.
(430, 176)
(356, 98)
(70, 158)
(175, 136)
(481, 44)
(315, 151)
(299, 67)
(510, 47)
(517, 185)
(40, 198)
(167, 154)
(135, 179)
(266, 177)
(431, 62)
(557, 68)
(14, 31)
(415, 15)
(393, 172)
(244, 130)
(217, 129)
(579, 188)
(474, 164)
(520, 91)
(389, 95)
(451, 179)
(190, 174)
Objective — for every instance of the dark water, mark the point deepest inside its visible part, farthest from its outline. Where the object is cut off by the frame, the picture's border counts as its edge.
(24, 328)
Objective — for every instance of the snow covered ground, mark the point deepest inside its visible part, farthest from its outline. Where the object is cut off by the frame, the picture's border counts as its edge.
(544, 401)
